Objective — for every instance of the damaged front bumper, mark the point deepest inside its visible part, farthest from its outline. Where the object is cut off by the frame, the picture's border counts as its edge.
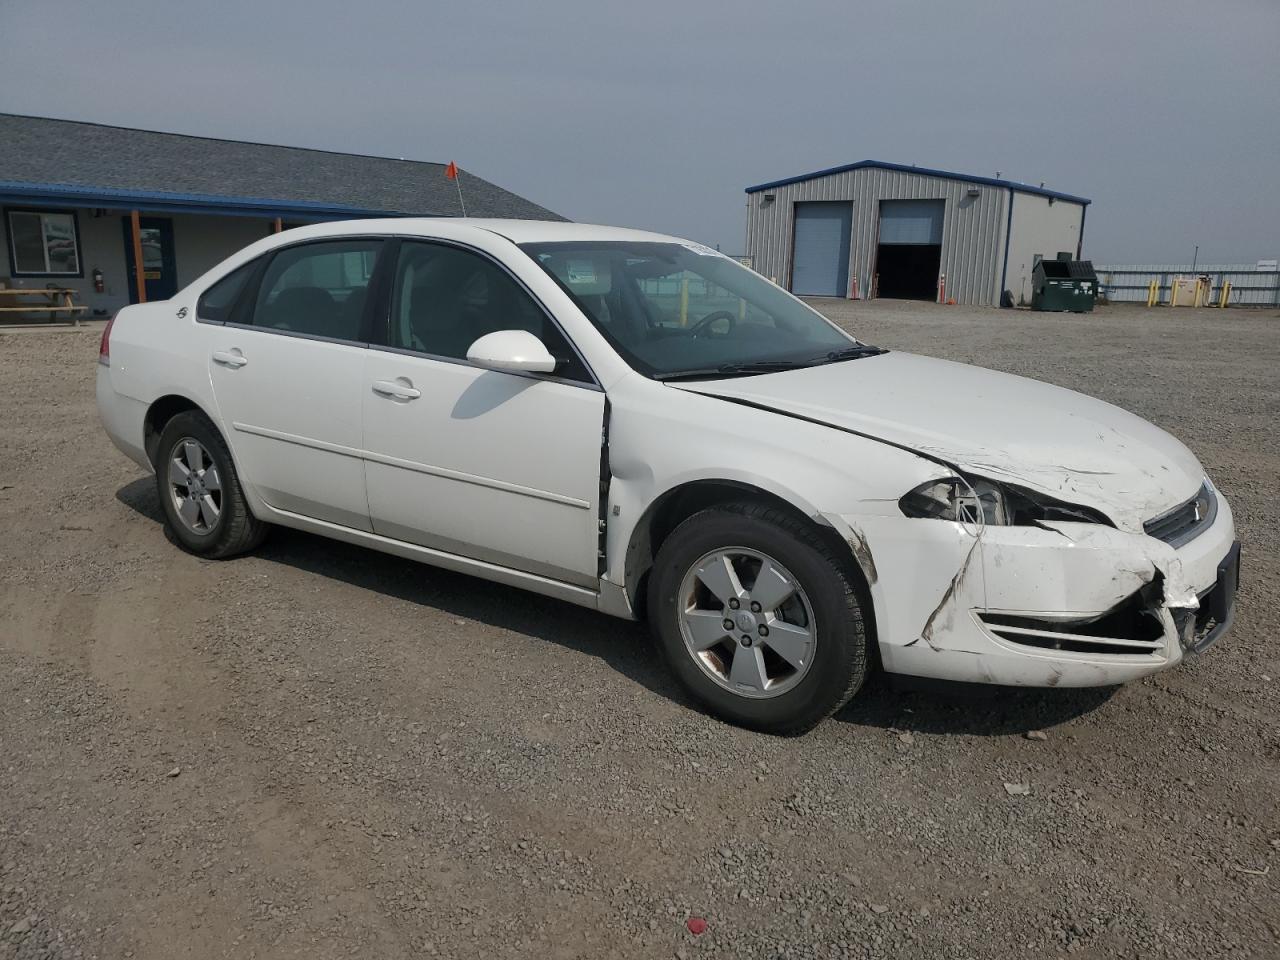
(1058, 604)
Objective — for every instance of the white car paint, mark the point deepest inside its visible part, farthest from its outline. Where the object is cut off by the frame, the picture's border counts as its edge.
(273, 391)
(486, 464)
(998, 425)
(512, 350)
(499, 474)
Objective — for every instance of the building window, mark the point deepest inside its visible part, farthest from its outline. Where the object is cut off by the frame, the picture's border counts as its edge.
(43, 244)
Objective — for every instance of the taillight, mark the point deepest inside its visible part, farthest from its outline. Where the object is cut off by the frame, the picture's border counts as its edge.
(104, 348)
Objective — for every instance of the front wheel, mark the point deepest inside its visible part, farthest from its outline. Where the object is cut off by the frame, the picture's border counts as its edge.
(758, 619)
(204, 507)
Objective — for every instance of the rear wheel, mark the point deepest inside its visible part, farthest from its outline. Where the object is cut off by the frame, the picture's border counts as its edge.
(204, 506)
(758, 619)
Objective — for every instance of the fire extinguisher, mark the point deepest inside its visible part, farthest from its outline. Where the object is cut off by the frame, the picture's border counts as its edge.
(99, 282)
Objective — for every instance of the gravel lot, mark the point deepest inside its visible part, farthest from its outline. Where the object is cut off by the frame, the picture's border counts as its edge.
(319, 751)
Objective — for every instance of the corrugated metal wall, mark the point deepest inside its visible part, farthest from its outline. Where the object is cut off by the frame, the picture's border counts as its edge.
(1127, 283)
(973, 233)
(1039, 226)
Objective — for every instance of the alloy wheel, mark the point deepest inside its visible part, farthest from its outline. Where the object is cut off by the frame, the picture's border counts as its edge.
(195, 486)
(747, 622)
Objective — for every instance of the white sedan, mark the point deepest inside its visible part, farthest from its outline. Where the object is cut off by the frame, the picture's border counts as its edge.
(637, 424)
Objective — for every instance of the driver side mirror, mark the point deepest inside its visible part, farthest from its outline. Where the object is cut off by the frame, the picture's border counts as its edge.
(516, 351)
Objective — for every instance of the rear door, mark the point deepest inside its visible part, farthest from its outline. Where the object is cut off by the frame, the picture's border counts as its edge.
(495, 466)
(288, 375)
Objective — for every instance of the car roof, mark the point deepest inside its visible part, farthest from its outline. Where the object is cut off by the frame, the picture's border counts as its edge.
(517, 231)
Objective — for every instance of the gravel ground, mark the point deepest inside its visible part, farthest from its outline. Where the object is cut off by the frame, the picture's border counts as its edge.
(319, 751)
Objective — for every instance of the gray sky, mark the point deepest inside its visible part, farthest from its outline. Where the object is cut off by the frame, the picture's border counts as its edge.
(657, 114)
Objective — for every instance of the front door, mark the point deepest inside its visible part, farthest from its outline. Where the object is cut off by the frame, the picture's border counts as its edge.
(159, 266)
(288, 375)
(498, 467)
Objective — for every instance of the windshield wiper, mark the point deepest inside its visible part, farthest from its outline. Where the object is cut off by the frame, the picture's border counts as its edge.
(856, 352)
(735, 370)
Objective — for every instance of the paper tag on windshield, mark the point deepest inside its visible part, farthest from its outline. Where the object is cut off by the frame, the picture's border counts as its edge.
(700, 249)
(580, 273)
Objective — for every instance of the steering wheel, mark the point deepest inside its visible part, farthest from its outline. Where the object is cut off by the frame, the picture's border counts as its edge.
(705, 323)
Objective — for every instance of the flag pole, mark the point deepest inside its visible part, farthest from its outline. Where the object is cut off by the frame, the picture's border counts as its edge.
(457, 182)
(454, 174)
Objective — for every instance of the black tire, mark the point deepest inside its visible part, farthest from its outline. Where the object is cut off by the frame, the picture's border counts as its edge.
(840, 659)
(236, 530)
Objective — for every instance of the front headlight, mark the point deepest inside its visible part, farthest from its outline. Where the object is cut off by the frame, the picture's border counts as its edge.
(976, 502)
(983, 502)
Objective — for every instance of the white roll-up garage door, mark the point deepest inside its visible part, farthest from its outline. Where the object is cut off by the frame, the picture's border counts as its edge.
(821, 264)
(911, 221)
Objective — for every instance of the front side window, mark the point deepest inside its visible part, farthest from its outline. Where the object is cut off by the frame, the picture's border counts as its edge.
(444, 299)
(318, 289)
(674, 309)
(43, 244)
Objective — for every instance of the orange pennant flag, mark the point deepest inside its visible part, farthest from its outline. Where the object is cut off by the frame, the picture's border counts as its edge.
(451, 171)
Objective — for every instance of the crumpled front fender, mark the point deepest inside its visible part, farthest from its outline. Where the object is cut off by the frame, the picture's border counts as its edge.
(930, 581)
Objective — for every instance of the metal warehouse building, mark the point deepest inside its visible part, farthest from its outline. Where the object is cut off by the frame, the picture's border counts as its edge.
(875, 229)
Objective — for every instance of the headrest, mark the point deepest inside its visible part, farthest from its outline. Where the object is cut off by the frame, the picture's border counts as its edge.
(585, 275)
(304, 298)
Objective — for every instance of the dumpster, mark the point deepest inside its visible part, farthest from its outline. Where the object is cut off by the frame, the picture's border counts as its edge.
(1063, 284)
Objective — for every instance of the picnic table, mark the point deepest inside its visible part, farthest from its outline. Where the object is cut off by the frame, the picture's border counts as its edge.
(51, 300)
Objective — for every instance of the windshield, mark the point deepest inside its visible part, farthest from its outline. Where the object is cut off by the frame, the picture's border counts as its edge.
(676, 309)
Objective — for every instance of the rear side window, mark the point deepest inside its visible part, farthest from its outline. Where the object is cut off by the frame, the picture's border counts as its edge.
(217, 302)
(318, 289)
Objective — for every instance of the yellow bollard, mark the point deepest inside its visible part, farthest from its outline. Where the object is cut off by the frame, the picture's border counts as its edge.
(1224, 293)
(684, 301)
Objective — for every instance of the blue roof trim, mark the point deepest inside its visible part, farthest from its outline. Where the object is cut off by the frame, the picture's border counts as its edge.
(924, 171)
(64, 194)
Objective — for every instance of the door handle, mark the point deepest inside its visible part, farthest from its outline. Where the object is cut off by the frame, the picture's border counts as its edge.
(229, 358)
(397, 389)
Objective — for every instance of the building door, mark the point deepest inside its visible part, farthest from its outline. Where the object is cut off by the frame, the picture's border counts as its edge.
(159, 266)
(820, 265)
(909, 253)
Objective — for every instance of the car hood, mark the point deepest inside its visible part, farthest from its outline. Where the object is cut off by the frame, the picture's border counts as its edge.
(997, 425)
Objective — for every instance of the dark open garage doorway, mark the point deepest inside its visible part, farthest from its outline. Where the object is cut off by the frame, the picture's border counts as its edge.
(909, 254)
